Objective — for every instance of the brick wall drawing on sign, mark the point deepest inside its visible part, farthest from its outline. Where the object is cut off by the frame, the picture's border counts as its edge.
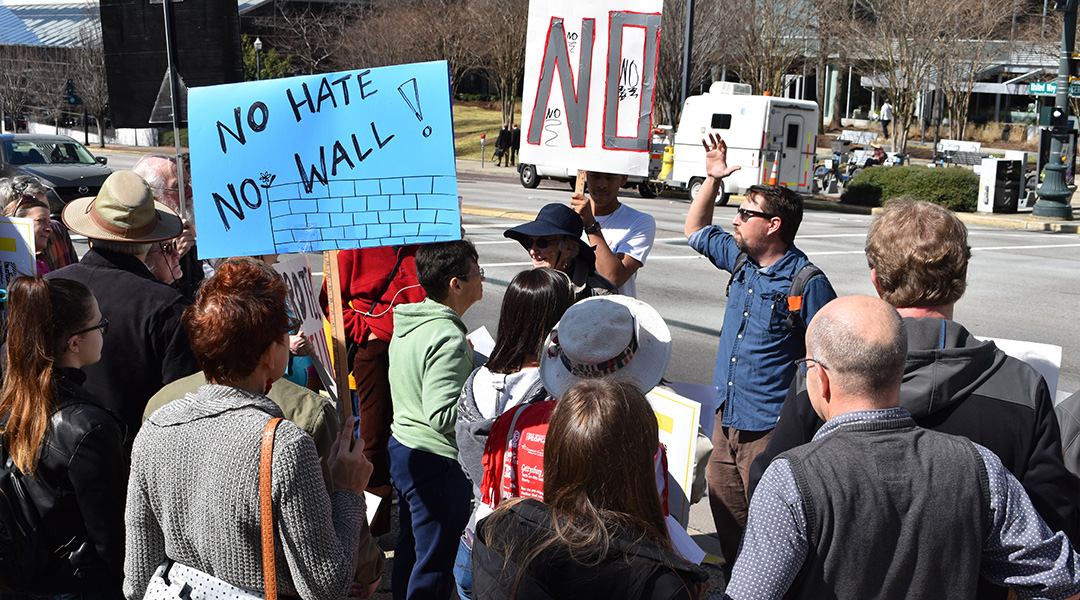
(373, 211)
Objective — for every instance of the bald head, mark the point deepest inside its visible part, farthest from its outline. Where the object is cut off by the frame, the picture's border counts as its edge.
(862, 342)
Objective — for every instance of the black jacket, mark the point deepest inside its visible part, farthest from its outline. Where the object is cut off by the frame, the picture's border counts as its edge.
(504, 139)
(634, 569)
(79, 489)
(146, 346)
(956, 384)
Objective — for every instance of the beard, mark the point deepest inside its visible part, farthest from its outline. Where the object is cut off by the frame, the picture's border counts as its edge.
(740, 243)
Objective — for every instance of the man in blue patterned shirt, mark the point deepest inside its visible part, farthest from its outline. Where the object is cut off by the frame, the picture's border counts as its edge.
(753, 364)
(876, 506)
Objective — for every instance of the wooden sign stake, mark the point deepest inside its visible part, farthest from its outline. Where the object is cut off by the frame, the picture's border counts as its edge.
(332, 277)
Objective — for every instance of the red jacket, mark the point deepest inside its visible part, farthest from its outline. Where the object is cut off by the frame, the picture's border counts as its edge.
(363, 276)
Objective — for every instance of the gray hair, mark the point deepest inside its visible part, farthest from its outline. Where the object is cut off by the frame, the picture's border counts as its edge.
(150, 169)
(568, 243)
(11, 188)
(864, 352)
(132, 248)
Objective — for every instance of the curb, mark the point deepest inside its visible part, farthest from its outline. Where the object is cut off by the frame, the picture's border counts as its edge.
(499, 213)
(1026, 222)
(1029, 223)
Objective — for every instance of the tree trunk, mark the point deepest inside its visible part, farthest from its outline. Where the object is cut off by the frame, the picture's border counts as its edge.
(841, 90)
(819, 90)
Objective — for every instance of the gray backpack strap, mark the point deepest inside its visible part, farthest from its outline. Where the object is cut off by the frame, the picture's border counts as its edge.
(740, 262)
(795, 322)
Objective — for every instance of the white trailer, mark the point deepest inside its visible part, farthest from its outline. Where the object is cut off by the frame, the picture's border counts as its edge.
(760, 131)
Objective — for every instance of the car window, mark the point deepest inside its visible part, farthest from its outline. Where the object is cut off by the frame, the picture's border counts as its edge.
(30, 152)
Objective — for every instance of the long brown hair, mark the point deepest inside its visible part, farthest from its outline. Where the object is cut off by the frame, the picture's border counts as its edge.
(613, 420)
(42, 314)
(599, 476)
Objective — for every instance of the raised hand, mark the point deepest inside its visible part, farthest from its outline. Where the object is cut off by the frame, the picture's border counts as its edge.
(716, 157)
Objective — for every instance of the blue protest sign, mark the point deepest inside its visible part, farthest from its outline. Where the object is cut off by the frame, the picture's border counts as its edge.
(324, 162)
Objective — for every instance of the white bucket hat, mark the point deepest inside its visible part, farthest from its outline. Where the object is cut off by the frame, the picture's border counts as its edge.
(606, 337)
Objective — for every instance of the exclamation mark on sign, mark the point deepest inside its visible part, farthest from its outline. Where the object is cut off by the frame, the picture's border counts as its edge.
(414, 104)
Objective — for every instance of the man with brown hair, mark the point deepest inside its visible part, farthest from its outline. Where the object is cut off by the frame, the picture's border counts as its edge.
(760, 336)
(918, 255)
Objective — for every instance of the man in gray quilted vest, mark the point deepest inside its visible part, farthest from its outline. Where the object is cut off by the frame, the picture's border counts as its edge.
(876, 506)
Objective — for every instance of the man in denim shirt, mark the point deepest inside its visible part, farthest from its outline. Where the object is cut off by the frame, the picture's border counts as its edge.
(754, 364)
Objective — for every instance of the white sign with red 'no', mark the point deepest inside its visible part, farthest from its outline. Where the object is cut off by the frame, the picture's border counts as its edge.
(590, 72)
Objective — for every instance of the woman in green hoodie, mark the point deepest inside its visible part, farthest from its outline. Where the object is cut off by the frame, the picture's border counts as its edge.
(430, 359)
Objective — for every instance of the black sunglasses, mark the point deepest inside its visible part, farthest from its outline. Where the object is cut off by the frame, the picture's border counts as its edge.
(103, 326)
(746, 213)
(539, 242)
(293, 325)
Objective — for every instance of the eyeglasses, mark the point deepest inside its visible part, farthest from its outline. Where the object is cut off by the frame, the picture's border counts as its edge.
(746, 213)
(168, 249)
(187, 188)
(293, 325)
(480, 273)
(103, 326)
(804, 364)
(539, 242)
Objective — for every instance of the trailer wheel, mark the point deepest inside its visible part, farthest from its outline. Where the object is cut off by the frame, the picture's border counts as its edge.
(650, 189)
(721, 195)
(694, 187)
(528, 176)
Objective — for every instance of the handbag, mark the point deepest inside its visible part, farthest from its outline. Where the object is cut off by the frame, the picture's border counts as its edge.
(176, 581)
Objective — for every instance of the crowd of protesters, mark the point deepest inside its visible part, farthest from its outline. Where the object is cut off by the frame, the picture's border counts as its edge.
(863, 447)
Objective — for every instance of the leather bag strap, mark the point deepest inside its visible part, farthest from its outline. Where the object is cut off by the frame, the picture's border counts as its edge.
(266, 509)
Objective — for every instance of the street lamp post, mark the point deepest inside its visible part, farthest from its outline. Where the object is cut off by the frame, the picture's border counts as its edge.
(1054, 197)
(258, 66)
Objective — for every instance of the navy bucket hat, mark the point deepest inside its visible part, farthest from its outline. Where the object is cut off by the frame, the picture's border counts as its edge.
(554, 219)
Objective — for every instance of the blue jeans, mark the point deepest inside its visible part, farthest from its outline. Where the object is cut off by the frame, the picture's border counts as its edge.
(463, 571)
(433, 505)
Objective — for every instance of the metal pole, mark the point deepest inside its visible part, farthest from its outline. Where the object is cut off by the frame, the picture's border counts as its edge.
(1054, 197)
(174, 92)
(258, 65)
(688, 44)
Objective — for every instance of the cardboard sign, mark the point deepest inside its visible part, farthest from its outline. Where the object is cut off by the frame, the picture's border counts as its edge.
(322, 162)
(16, 249)
(677, 418)
(590, 72)
(304, 302)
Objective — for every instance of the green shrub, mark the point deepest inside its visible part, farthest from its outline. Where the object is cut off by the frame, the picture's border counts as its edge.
(167, 138)
(955, 188)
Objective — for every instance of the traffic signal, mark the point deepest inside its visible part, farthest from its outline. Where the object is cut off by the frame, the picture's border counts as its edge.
(72, 97)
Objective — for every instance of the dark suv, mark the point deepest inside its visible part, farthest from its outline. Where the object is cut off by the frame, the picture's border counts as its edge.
(63, 165)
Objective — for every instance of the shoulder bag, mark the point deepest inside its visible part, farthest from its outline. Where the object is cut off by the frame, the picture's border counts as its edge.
(175, 581)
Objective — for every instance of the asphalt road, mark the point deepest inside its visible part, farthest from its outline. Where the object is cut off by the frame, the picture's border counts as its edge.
(1022, 285)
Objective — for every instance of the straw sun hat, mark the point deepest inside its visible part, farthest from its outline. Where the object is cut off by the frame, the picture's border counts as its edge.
(123, 211)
